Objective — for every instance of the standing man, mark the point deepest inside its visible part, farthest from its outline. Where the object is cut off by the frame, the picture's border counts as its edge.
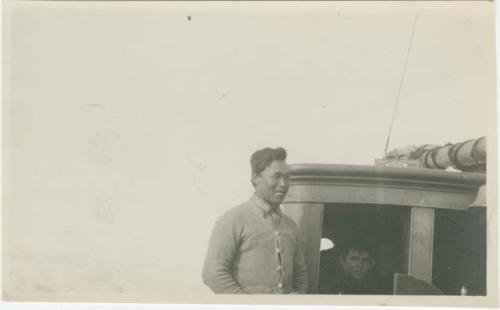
(254, 247)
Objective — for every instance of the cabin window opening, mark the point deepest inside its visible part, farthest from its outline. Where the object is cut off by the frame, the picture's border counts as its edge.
(380, 228)
(459, 258)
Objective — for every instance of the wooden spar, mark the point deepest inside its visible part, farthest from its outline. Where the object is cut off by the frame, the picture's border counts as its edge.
(462, 156)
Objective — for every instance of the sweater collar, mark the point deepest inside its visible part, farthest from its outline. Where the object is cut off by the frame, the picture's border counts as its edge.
(264, 207)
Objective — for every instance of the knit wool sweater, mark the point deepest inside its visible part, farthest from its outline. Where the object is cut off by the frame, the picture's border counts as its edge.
(255, 249)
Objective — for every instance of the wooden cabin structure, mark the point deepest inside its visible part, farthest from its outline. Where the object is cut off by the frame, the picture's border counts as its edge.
(433, 217)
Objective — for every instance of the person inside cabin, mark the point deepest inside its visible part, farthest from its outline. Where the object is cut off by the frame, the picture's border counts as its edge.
(354, 271)
(255, 248)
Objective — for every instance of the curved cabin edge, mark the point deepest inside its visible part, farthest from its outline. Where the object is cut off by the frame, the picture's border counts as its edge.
(417, 187)
(320, 193)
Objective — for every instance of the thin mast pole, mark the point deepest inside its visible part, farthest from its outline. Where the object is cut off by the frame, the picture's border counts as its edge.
(401, 84)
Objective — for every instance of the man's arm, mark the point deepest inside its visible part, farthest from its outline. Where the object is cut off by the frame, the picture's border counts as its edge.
(222, 248)
(299, 270)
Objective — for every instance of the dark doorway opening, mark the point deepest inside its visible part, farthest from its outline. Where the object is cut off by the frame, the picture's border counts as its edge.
(459, 263)
(381, 228)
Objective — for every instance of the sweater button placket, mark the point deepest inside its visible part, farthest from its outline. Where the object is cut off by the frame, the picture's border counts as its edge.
(279, 269)
(280, 288)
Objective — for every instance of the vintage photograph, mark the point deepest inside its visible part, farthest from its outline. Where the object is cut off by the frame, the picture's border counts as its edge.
(276, 153)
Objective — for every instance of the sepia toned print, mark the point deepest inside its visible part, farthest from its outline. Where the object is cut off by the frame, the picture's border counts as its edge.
(144, 141)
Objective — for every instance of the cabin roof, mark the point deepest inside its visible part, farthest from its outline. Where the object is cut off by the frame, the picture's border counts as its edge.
(417, 187)
(322, 171)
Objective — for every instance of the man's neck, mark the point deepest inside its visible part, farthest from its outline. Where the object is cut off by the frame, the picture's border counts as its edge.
(271, 205)
(265, 202)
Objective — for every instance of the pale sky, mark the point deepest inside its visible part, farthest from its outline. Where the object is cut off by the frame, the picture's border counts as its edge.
(129, 127)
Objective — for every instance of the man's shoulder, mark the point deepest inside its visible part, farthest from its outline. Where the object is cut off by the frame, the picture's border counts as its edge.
(333, 284)
(236, 214)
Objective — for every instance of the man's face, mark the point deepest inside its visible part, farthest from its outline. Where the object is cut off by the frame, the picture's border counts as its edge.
(356, 264)
(273, 182)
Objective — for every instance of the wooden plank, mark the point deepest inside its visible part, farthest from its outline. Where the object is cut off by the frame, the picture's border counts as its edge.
(420, 243)
(309, 219)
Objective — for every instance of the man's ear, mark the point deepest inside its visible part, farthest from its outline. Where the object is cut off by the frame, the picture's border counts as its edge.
(254, 177)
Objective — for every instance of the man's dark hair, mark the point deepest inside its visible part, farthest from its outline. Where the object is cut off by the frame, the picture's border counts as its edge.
(358, 246)
(263, 158)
